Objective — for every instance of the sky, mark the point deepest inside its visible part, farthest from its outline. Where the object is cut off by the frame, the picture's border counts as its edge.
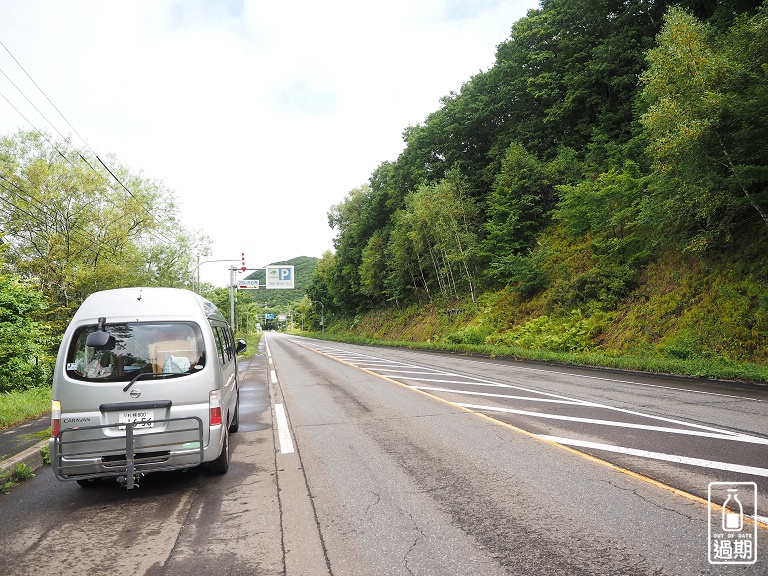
(259, 115)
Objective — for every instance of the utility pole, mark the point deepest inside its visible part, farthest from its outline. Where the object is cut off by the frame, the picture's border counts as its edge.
(232, 287)
(232, 271)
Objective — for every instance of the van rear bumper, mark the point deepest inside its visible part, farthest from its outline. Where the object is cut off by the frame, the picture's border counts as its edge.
(86, 452)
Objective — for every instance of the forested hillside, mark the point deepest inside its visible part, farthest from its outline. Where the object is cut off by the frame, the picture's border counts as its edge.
(601, 187)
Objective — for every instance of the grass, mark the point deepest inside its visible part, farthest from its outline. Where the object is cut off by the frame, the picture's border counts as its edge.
(252, 343)
(693, 367)
(17, 474)
(699, 315)
(23, 405)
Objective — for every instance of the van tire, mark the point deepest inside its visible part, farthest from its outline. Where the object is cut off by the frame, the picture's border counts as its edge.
(221, 464)
(234, 425)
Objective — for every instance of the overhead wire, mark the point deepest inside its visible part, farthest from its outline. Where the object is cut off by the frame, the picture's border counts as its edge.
(30, 101)
(15, 206)
(69, 161)
(89, 239)
(45, 95)
(140, 203)
(40, 206)
(35, 127)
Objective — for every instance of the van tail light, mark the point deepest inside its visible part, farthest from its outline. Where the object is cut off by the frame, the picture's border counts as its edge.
(55, 417)
(214, 400)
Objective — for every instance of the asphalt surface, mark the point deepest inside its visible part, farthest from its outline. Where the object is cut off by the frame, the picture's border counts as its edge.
(366, 476)
(22, 443)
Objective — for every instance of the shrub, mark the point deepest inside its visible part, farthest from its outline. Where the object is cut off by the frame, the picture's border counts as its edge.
(572, 333)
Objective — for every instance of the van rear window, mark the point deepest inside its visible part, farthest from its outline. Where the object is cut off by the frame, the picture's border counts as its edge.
(134, 348)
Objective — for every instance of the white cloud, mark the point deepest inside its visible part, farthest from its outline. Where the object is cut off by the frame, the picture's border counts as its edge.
(261, 115)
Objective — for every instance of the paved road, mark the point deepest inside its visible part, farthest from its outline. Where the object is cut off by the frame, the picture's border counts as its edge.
(682, 432)
(18, 438)
(343, 467)
(430, 478)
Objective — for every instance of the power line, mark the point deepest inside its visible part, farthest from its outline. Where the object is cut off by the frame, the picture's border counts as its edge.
(89, 239)
(45, 95)
(34, 200)
(69, 161)
(30, 101)
(141, 204)
(35, 127)
(14, 206)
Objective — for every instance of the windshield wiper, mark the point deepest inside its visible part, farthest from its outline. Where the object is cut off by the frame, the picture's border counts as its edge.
(152, 375)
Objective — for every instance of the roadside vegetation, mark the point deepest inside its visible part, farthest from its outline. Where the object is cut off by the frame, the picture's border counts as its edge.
(252, 342)
(21, 405)
(15, 476)
(599, 195)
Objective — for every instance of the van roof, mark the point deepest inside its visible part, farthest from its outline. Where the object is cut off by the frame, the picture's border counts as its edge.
(141, 303)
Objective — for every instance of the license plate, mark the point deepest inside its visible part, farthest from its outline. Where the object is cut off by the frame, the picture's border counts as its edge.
(139, 418)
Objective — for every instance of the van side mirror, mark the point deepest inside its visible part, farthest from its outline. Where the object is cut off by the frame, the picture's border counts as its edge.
(240, 347)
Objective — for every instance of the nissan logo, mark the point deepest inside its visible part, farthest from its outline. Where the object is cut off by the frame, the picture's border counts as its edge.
(135, 393)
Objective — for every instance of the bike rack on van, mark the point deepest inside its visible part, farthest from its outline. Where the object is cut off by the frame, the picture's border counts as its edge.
(131, 456)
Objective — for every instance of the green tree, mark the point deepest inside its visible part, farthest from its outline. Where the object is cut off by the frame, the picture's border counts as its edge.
(373, 267)
(320, 288)
(404, 271)
(434, 241)
(75, 231)
(706, 110)
(607, 210)
(357, 219)
(25, 360)
(518, 207)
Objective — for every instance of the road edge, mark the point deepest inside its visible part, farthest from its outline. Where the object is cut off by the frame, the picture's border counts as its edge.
(31, 457)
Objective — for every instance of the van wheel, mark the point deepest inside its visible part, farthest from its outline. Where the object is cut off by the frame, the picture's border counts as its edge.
(234, 426)
(221, 464)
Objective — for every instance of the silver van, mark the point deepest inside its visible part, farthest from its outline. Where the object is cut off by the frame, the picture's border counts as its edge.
(145, 380)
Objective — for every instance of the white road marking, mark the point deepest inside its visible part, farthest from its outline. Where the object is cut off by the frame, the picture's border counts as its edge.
(283, 432)
(601, 378)
(414, 373)
(660, 456)
(632, 382)
(717, 435)
(573, 401)
(481, 382)
(506, 396)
